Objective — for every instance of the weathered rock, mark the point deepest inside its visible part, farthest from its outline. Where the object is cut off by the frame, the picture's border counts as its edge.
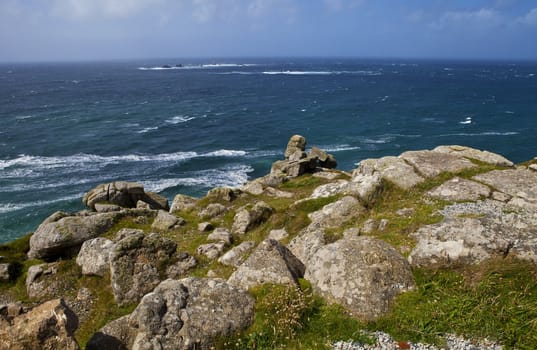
(326, 174)
(226, 194)
(235, 256)
(62, 235)
(532, 167)
(294, 168)
(325, 160)
(363, 274)
(273, 192)
(369, 226)
(278, 234)
(273, 179)
(135, 263)
(520, 184)
(205, 227)
(212, 210)
(351, 232)
(367, 188)
(246, 219)
(383, 225)
(221, 235)
(296, 156)
(307, 243)
(458, 189)
(483, 156)
(122, 193)
(392, 169)
(48, 326)
(127, 232)
(430, 164)
(39, 281)
(185, 262)
(139, 205)
(474, 232)
(408, 212)
(329, 189)
(296, 143)
(253, 187)
(106, 208)
(166, 221)
(337, 213)
(180, 314)
(270, 262)
(182, 202)
(211, 250)
(156, 201)
(94, 256)
(500, 196)
(5, 272)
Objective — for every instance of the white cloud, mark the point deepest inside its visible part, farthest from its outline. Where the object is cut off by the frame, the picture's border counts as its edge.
(530, 18)
(482, 17)
(107, 8)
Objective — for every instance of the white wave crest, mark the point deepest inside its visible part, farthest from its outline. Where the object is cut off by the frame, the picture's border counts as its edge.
(179, 119)
(197, 66)
(289, 72)
(10, 207)
(81, 159)
(143, 131)
(487, 133)
(468, 120)
(339, 148)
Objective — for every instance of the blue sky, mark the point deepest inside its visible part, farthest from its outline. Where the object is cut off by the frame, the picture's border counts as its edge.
(49, 30)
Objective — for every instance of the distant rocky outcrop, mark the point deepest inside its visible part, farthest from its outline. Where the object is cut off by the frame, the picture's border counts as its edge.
(124, 194)
(179, 314)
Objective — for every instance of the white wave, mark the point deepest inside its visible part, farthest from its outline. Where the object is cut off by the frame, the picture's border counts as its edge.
(509, 112)
(432, 120)
(130, 125)
(487, 133)
(179, 119)
(381, 140)
(197, 66)
(228, 176)
(22, 117)
(10, 207)
(289, 72)
(236, 73)
(143, 131)
(81, 159)
(339, 148)
(468, 120)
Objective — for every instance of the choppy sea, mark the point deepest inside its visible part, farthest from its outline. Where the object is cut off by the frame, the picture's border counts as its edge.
(184, 126)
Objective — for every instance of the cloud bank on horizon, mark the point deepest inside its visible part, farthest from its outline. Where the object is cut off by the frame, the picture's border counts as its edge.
(36, 30)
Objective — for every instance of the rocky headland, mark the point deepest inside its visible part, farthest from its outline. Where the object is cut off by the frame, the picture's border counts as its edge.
(306, 246)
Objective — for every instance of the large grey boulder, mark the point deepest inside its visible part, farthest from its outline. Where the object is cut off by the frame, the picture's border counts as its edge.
(42, 282)
(226, 194)
(367, 188)
(166, 221)
(430, 164)
(329, 189)
(271, 262)
(236, 255)
(297, 143)
(124, 194)
(337, 213)
(48, 326)
(520, 184)
(212, 210)
(182, 202)
(325, 160)
(483, 156)
(363, 274)
(212, 250)
(62, 235)
(392, 169)
(474, 232)
(246, 219)
(5, 272)
(135, 265)
(94, 256)
(179, 314)
(307, 243)
(459, 189)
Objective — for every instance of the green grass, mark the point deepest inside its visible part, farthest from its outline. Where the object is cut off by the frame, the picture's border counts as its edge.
(495, 300)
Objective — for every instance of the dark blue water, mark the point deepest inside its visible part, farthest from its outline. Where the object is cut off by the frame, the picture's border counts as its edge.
(65, 128)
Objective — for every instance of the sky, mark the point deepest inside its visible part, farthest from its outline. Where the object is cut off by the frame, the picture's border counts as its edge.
(73, 30)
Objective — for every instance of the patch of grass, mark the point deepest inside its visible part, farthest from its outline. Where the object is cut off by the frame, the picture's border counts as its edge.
(495, 300)
(306, 181)
(130, 223)
(294, 318)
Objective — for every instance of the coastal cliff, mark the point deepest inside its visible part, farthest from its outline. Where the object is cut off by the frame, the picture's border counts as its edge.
(427, 246)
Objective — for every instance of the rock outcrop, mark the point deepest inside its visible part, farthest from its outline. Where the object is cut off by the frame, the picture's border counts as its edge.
(363, 274)
(179, 314)
(48, 326)
(337, 213)
(94, 256)
(124, 194)
(246, 218)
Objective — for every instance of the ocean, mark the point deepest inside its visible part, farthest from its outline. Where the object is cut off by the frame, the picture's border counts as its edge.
(185, 125)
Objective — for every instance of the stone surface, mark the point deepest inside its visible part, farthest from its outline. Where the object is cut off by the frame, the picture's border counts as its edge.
(5, 272)
(180, 314)
(296, 143)
(156, 201)
(273, 192)
(369, 226)
(325, 160)
(278, 234)
(106, 208)
(41, 281)
(185, 262)
(94, 256)
(458, 189)
(48, 326)
(182, 202)
(205, 227)
(337, 213)
(212, 210)
(520, 184)
(121, 193)
(392, 169)
(246, 219)
(326, 174)
(135, 263)
(483, 156)
(329, 189)
(362, 274)
(226, 194)
(474, 232)
(236, 255)
(367, 188)
(532, 167)
(166, 221)
(270, 262)
(220, 235)
(211, 250)
(307, 243)
(253, 187)
(430, 164)
(62, 235)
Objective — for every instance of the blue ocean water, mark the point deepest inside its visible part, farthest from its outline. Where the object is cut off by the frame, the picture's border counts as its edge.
(65, 128)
